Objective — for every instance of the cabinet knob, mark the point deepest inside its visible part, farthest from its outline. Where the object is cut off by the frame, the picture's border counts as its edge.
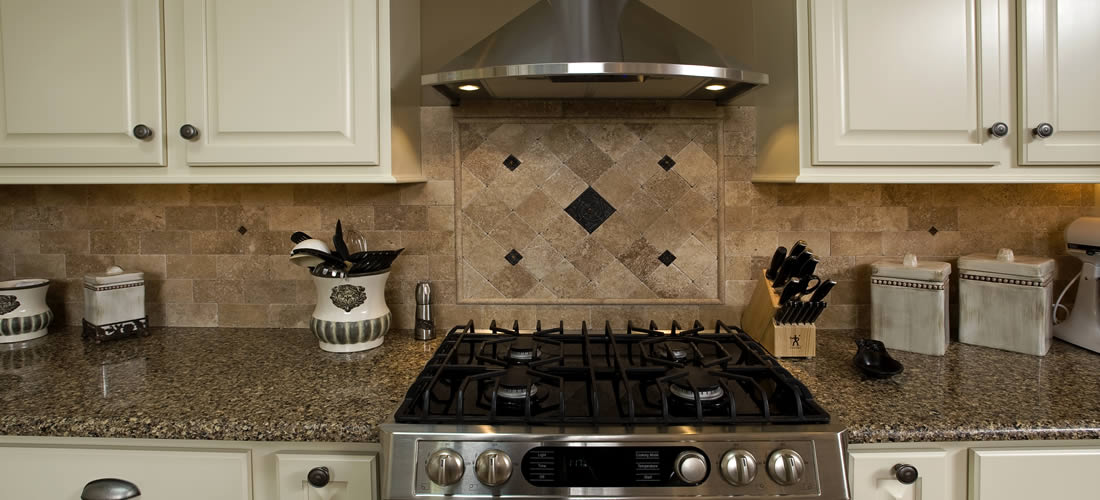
(189, 132)
(999, 129)
(1044, 130)
(142, 132)
(110, 489)
(905, 473)
(318, 477)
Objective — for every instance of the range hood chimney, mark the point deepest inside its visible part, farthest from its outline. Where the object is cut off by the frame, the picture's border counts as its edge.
(593, 49)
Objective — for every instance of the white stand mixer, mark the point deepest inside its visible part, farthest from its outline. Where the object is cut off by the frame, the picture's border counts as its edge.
(1082, 327)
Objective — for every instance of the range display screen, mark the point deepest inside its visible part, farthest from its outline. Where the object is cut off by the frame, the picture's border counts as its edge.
(592, 466)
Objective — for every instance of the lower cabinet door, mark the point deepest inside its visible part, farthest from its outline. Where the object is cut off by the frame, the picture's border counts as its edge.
(872, 476)
(49, 473)
(306, 476)
(1034, 473)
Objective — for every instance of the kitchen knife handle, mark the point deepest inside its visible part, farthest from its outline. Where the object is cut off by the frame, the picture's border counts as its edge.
(822, 290)
(807, 278)
(785, 271)
(817, 311)
(777, 260)
(798, 247)
(792, 288)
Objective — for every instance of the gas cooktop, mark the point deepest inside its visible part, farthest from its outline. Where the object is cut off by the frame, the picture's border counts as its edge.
(638, 412)
(639, 375)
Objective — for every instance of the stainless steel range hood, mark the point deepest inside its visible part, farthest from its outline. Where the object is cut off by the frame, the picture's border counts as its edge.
(593, 49)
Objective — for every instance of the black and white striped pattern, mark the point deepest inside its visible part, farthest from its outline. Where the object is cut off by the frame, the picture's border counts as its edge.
(350, 332)
(25, 324)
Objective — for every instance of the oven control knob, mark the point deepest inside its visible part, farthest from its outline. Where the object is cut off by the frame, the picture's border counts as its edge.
(738, 467)
(445, 467)
(691, 467)
(493, 467)
(786, 467)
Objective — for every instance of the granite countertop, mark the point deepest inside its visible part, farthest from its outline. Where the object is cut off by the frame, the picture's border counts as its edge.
(276, 385)
(972, 393)
(205, 383)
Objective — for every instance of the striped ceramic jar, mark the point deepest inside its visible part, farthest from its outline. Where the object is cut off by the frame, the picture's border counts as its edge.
(351, 313)
(23, 311)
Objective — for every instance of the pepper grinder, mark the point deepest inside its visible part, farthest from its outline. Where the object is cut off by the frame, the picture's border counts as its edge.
(425, 326)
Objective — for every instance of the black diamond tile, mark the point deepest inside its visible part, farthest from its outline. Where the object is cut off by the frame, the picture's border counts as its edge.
(511, 162)
(666, 258)
(242, 229)
(933, 230)
(513, 257)
(590, 210)
(666, 163)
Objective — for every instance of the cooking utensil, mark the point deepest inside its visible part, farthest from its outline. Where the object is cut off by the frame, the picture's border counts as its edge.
(311, 244)
(372, 261)
(797, 249)
(299, 237)
(822, 291)
(303, 257)
(777, 260)
(818, 308)
(791, 290)
(785, 271)
(873, 360)
(806, 274)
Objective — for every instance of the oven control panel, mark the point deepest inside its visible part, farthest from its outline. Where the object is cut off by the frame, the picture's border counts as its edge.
(621, 467)
(751, 469)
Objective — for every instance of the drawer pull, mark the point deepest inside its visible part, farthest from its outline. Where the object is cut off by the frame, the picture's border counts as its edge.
(110, 489)
(905, 473)
(318, 477)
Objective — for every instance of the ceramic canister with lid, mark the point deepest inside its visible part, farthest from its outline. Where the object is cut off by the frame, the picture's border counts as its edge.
(1005, 301)
(114, 305)
(909, 309)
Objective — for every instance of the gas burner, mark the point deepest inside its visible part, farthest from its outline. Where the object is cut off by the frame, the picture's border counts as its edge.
(523, 350)
(706, 385)
(515, 385)
(678, 352)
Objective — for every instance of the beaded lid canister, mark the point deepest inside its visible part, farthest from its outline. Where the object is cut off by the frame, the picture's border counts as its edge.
(909, 308)
(114, 305)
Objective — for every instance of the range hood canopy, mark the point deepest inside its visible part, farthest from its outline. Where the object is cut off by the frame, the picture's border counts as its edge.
(600, 49)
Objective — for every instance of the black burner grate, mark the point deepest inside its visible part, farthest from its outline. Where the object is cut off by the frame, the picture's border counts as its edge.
(637, 376)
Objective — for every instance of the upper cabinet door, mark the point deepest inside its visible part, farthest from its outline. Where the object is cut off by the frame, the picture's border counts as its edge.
(1059, 77)
(282, 82)
(76, 78)
(897, 82)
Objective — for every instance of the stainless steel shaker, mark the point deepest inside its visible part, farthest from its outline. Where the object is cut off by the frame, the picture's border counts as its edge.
(425, 325)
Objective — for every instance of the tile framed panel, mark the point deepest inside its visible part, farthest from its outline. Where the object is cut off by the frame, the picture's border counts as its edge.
(589, 211)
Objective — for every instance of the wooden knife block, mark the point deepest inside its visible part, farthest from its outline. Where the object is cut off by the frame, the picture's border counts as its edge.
(783, 341)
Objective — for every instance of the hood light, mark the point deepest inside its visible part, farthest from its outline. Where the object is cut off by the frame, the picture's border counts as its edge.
(469, 87)
(715, 87)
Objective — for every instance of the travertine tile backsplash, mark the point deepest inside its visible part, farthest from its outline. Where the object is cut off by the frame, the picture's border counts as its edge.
(216, 255)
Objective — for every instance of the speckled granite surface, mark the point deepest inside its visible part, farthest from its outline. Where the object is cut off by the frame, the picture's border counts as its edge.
(205, 383)
(276, 385)
(971, 394)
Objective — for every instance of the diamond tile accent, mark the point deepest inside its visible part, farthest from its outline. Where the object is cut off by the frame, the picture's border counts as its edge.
(242, 229)
(666, 258)
(587, 219)
(932, 230)
(513, 257)
(590, 210)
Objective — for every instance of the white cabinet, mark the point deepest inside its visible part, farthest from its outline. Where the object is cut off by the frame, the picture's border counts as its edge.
(1034, 472)
(270, 82)
(76, 78)
(275, 91)
(1059, 73)
(872, 477)
(897, 91)
(902, 82)
(351, 477)
(60, 473)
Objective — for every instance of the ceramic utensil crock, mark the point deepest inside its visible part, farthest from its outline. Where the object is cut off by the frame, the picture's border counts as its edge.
(23, 311)
(351, 313)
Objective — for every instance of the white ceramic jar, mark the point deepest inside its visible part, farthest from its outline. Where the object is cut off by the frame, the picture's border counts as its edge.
(351, 313)
(909, 310)
(1006, 301)
(114, 305)
(24, 314)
